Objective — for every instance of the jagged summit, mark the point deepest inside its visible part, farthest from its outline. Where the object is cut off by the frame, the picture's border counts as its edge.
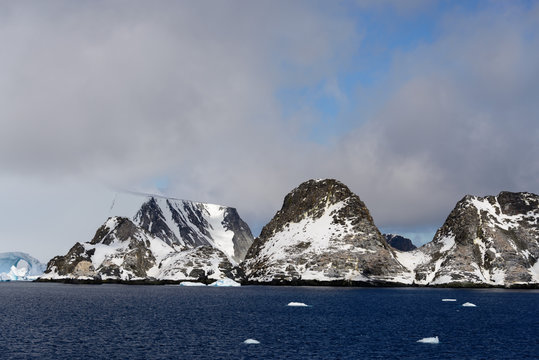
(190, 224)
(322, 232)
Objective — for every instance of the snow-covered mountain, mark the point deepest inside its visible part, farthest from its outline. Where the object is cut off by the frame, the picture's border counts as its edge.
(323, 232)
(19, 266)
(167, 239)
(492, 240)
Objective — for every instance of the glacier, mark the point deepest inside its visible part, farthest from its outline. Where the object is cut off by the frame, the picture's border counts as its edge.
(19, 266)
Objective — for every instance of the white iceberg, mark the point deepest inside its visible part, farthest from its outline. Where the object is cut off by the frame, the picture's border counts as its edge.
(16, 266)
(191, 283)
(429, 340)
(449, 299)
(297, 304)
(225, 282)
(468, 304)
(251, 341)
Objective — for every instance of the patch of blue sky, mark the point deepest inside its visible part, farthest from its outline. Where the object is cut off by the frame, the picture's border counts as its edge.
(161, 183)
(325, 122)
(384, 36)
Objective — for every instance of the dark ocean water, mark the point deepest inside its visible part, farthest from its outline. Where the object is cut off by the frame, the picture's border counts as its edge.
(58, 321)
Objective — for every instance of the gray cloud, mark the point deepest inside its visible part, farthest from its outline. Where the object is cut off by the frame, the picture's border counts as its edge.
(122, 93)
(91, 86)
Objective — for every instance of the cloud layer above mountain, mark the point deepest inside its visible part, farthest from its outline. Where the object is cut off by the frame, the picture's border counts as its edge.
(238, 102)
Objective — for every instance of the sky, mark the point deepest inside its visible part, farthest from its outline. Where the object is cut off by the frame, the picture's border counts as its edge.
(412, 104)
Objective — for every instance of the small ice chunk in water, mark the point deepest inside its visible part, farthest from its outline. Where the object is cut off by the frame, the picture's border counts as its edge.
(251, 341)
(225, 283)
(191, 283)
(297, 304)
(449, 299)
(429, 340)
(468, 304)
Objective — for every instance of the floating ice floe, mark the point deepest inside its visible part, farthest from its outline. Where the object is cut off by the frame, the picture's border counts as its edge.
(469, 304)
(225, 282)
(251, 341)
(191, 283)
(449, 299)
(297, 304)
(429, 340)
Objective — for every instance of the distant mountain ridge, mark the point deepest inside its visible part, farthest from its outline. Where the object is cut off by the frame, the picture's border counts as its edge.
(400, 242)
(322, 235)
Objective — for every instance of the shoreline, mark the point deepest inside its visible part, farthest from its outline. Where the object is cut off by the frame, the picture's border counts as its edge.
(295, 283)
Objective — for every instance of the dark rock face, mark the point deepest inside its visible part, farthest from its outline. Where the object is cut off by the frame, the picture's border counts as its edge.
(186, 216)
(65, 265)
(187, 225)
(323, 232)
(491, 240)
(150, 217)
(399, 242)
(243, 238)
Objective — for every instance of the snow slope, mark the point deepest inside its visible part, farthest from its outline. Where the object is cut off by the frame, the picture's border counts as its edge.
(492, 240)
(323, 232)
(190, 224)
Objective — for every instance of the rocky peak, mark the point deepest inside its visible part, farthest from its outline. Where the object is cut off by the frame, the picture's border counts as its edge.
(518, 203)
(243, 238)
(115, 228)
(323, 231)
(151, 218)
(311, 199)
(505, 212)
